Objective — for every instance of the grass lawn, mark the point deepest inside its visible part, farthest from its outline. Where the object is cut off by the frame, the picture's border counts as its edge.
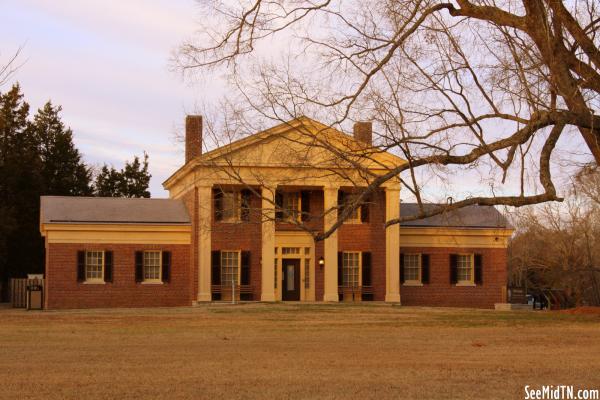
(294, 351)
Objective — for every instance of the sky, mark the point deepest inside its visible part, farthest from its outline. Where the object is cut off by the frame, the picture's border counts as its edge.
(107, 64)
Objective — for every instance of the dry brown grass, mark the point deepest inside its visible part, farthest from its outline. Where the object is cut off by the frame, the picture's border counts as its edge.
(293, 351)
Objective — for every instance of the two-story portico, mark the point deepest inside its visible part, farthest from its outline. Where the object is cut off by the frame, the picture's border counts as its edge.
(256, 203)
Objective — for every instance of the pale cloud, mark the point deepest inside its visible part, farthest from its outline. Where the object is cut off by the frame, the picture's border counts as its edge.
(107, 64)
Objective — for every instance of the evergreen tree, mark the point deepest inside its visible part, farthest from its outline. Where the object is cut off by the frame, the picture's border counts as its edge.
(21, 246)
(131, 181)
(63, 171)
(135, 178)
(108, 182)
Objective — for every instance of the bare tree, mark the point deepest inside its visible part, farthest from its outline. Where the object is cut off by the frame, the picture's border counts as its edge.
(558, 246)
(10, 66)
(486, 85)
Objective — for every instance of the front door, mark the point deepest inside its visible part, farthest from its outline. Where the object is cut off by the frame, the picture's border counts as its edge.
(290, 288)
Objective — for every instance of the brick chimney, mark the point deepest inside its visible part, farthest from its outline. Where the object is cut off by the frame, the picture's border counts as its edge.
(363, 132)
(193, 137)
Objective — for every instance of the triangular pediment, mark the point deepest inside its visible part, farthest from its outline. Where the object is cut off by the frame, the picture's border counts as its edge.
(301, 142)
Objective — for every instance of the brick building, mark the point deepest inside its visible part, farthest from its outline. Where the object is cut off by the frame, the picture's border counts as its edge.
(241, 221)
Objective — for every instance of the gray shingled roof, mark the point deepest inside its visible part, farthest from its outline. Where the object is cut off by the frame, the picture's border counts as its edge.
(106, 210)
(467, 217)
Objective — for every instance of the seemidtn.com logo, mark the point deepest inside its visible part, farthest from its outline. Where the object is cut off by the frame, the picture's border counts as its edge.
(560, 392)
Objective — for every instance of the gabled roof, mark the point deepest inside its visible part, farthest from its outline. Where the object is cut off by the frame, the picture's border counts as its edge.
(314, 135)
(296, 123)
(467, 217)
(112, 210)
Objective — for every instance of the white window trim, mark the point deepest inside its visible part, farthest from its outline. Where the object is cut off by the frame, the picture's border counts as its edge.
(415, 282)
(152, 281)
(359, 267)
(356, 217)
(239, 268)
(95, 281)
(238, 207)
(470, 282)
(287, 218)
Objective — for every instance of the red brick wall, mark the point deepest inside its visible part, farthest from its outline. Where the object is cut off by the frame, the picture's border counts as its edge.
(63, 290)
(246, 236)
(439, 291)
(369, 237)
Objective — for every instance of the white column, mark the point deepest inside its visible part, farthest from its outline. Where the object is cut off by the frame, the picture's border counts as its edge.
(392, 246)
(268, 245)
(204, 242)
(331, 245)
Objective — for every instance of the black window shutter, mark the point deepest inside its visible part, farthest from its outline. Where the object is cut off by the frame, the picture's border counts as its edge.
(341, 203)
(139, 266)
(166, 266)
(108, 266)
(245, 272)
(80, 266)
(453, 268)
(364, 212)
(340, 267)
(278, 205)
(401, 268)
(366, 269)
(305, 201)
(216, 267)
(245, 214)
(478, 258)
(218, 197)
(424, 268)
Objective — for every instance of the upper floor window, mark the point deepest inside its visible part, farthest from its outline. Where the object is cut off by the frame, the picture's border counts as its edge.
(359, 213)
(288, 206)
(355, 216)
(232, 205)
(291, 206)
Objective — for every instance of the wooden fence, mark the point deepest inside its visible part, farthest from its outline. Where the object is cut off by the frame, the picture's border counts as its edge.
(18, 291)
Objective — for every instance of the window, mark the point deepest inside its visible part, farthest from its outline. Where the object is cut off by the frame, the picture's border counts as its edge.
(94, 266)
(349, 200)
(291, 206)
(152, 266)
(230, 267)
(351, 269)
(412, 268)
(306, 273)
(464, 268)
(290, 250)
(231, 205)
(275, 273)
